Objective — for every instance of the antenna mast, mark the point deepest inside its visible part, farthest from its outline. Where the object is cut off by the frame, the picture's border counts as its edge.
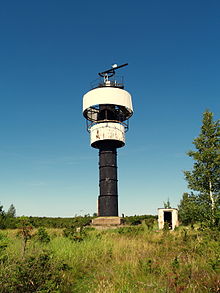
(110, 72)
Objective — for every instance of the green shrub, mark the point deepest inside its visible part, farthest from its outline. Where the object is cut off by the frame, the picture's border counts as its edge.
(32, 274)
(74, 235)
(149, 223)
(185, 235)
(69, 232)
(42, 235)
(132, 230)
(166, 226)
(4, 241)
(137, 220)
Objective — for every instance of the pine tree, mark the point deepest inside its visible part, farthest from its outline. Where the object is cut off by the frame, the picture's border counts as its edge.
(205, 176)
(11, 213)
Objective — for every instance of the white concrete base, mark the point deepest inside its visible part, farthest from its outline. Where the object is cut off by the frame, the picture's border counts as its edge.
(107, 221)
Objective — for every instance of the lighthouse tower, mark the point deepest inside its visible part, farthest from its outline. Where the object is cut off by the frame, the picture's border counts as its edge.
(107, 108)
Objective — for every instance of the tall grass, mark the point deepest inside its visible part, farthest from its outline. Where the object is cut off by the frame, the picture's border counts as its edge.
(130, 259)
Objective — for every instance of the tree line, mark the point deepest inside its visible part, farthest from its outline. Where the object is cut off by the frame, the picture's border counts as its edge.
(8, 220)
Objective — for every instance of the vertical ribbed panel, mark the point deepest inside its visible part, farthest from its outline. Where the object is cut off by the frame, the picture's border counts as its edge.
(108, 198)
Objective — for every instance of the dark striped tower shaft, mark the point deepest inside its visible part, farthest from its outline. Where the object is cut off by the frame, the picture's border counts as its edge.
(108, 198)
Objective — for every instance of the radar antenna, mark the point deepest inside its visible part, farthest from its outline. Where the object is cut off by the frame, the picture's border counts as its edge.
(110, 72)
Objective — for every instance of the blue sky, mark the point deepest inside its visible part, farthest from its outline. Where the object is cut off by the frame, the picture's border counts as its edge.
(50, 51)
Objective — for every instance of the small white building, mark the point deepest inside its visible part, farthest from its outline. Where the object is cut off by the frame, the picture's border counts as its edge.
(169, 216)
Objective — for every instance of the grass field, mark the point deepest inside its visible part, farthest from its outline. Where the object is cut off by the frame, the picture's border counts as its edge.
(129, 259)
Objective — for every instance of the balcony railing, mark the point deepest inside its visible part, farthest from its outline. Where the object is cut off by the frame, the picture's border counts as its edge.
(114, 81)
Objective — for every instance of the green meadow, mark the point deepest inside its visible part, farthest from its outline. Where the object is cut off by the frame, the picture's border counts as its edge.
(123, 260)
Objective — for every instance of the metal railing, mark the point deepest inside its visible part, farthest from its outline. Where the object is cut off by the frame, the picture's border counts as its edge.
(116, 81)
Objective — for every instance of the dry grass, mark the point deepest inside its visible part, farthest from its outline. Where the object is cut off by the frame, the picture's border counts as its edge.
(133, 261)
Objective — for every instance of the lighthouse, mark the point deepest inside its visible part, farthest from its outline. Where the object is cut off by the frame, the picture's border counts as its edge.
(107, 108)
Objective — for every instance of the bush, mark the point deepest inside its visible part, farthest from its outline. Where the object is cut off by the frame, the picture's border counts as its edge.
(137, 220)
(130, 230)
(166, 226)
(4, 241)
(32, 274)
(149, 223)
(42, 235)
(73, 234)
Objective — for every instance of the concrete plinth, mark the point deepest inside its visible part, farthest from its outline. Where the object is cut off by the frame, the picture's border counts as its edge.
(107, 221)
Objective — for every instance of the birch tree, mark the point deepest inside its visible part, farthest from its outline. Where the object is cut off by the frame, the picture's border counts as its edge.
(205, 175)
